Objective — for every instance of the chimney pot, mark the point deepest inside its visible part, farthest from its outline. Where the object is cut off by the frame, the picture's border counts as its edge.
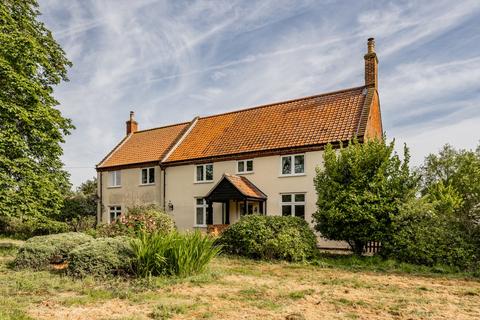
(132, 125)
(371, 45)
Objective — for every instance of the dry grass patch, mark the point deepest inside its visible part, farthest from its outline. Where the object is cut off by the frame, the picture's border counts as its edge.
(241, 289)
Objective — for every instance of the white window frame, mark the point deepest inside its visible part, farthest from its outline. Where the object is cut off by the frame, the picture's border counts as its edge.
(148, 176)
(292, 203)
(116, 210)
(113, 179)
(204, 206)
(292, 161)
(204, 173)
(245, 170)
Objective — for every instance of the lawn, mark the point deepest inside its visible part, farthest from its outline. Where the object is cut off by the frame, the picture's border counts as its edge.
(235, 288)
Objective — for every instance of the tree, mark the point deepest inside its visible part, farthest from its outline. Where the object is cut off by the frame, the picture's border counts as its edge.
(32, 181)
(359, 190)
(80, 207)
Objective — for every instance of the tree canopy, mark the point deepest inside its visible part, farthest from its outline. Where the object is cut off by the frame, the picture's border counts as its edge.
(359, 189)
(31, 128)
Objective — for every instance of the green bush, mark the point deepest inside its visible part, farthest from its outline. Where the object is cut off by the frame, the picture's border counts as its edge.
(41, 251)
(145, 218)
(101, 257)
(30, 227)
(172, 254)
(424, 236)
(270, 237)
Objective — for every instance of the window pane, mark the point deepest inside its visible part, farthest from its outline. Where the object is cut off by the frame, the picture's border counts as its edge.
(112, 178)
(209, 172)
(286, 210)
(118, 177)
(250, 208)
(199, 217)
(286, 198)
(199, 173)
(200, 201)
(144, 176)
(286, 165)
(300, 211)
(299, 197)
(241, 166)
(151, 175)
(112, 216)
(250, 165)
(299, 164)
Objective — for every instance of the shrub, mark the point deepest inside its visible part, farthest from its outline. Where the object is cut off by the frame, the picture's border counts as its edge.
(424, 236)
(101, 257)
(270, 237)
(146, 218)
(172, 254)
(41, 251)
(30, 227)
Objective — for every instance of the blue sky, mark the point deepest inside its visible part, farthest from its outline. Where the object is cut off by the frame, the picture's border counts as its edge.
(171, 60)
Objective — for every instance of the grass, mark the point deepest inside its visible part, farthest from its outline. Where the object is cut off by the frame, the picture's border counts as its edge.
(233, 288)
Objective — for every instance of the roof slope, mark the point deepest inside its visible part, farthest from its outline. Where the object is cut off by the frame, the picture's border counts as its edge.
(144, 146)
(308, 121)
(245, 186)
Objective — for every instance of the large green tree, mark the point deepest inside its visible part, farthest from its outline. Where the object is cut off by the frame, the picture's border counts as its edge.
(359, 190)
(31, 128)
(80, 207)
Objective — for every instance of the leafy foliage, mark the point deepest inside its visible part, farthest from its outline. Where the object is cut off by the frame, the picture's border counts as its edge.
(359, 190)
(143, 218)
(80, 207)
(27, 227)
(172, 254)
(270, 237)
(31, 129)
(101, 257)
(39, 252)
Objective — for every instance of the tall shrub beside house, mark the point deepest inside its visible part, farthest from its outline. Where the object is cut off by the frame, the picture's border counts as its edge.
(359, 190)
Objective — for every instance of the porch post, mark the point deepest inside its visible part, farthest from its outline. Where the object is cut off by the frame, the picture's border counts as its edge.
(261, 206)
(209, 213)
(227, 212)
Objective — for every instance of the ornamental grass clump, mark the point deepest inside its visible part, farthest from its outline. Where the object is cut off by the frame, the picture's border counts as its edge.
(172, 254)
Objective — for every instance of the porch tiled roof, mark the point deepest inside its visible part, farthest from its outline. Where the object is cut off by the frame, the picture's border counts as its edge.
(245, 186)
(144, 146)
(309, 121)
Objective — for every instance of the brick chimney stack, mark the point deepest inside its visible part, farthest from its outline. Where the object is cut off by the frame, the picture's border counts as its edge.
(132, 125)
(371, 65)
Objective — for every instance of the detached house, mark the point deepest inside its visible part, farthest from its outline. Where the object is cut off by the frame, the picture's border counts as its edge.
(261, 160)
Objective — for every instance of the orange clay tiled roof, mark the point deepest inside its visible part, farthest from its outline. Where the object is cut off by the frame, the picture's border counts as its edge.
(144, 146)
(246, 187)
(309, 121)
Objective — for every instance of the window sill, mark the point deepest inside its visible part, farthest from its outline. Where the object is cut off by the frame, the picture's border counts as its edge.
(146, 184)
(200, 226)
(246, 172)
(292, 175)
(200, 182)
(113, 187)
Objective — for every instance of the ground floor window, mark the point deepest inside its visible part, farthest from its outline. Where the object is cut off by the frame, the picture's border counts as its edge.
(293, 204)
(115, 212)
(250, 208)
(200, 212)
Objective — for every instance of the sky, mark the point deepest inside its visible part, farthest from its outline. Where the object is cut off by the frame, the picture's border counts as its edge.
(170, 61)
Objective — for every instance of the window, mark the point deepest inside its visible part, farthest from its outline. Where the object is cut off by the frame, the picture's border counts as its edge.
(204, 173)
(245, 166)
(115, 178)
(115, 213)
(241, 208)
(148, 176)
(293, 204)
(293, 165)
(200, 212)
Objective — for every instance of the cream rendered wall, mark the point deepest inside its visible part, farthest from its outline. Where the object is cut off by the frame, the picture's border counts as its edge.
(131, 192)
(181, 188)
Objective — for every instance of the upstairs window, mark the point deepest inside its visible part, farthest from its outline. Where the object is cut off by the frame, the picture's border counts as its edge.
(245, 166)
(148, 176)
(115, 213)
(115, 178)
(293, 204)
(204, 173)
(293, 165)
